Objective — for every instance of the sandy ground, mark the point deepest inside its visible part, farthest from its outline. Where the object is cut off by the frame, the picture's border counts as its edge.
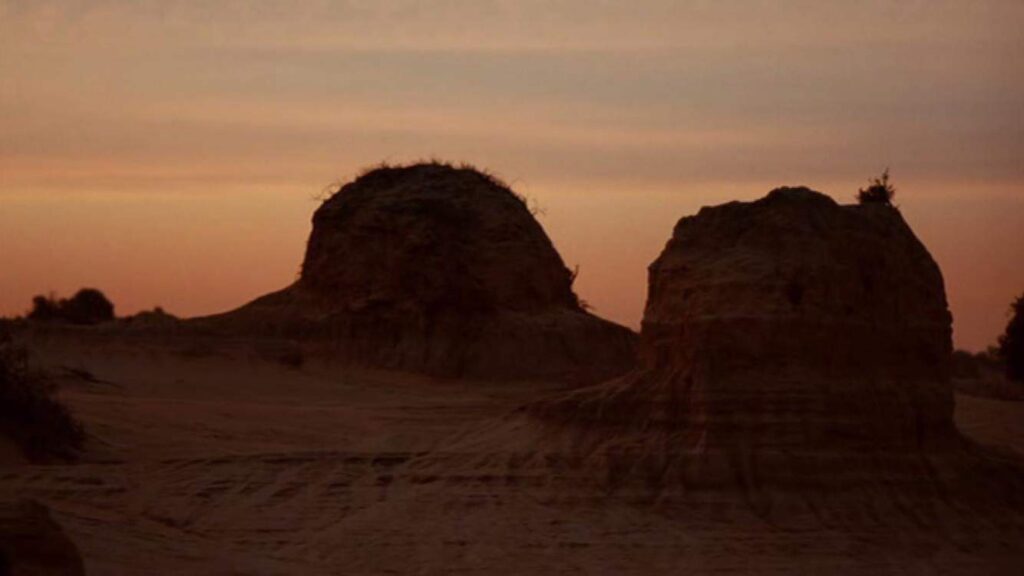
(992, 422)
(207, 461)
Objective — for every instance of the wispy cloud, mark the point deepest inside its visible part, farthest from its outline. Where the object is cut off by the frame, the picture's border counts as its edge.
(688, 102)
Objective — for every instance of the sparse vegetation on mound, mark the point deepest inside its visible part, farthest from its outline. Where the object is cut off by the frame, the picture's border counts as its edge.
(87, 306)
(880, 191)
(29, 414)
(385, 174)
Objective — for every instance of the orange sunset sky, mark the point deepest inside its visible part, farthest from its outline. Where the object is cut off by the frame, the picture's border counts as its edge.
(169, 153)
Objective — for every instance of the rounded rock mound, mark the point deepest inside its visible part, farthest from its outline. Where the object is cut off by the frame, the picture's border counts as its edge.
(431, 241)
(442, 270)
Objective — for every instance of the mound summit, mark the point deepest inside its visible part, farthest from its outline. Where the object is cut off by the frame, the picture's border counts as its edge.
(442, 270)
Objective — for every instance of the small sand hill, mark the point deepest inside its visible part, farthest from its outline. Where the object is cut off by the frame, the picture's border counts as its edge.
(34, 425)
(442, 270)
(794, 359)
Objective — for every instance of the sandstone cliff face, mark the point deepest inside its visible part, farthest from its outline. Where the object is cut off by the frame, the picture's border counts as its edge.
(794, 359)
(814, 323)
(787, 324)
(441, 270)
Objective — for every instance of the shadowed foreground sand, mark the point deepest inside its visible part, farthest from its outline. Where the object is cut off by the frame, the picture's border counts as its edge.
(210, 461)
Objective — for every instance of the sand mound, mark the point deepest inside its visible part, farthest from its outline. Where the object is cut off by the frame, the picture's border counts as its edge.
(795, 357)
(442, 270)
(31, 543)
(34, 425)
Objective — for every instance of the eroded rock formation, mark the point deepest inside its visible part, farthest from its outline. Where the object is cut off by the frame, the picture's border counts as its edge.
(794, 358)
(794, 322)
(442, 270)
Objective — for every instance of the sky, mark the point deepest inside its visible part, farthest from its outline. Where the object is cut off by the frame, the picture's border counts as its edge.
(172, 153)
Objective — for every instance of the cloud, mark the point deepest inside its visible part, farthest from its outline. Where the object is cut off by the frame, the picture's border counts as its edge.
(505, 25)
(680, 102)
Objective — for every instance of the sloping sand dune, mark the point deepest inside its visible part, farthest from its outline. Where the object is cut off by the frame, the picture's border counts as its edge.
(228, 463)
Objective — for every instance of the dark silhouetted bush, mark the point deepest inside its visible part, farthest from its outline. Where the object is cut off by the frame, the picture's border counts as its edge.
(879, 192)
(157, 317)
(45, 309)
(87, 306)
(29, 414)
(1011, 343)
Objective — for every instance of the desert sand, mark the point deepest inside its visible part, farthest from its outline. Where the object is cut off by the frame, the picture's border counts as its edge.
(220, 461)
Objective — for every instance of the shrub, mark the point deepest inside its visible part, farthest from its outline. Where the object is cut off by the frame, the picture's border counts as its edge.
(879, 192)
(87, 306)
(29, 414)
(155, 317)
(45, 308)
(1011, 343)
